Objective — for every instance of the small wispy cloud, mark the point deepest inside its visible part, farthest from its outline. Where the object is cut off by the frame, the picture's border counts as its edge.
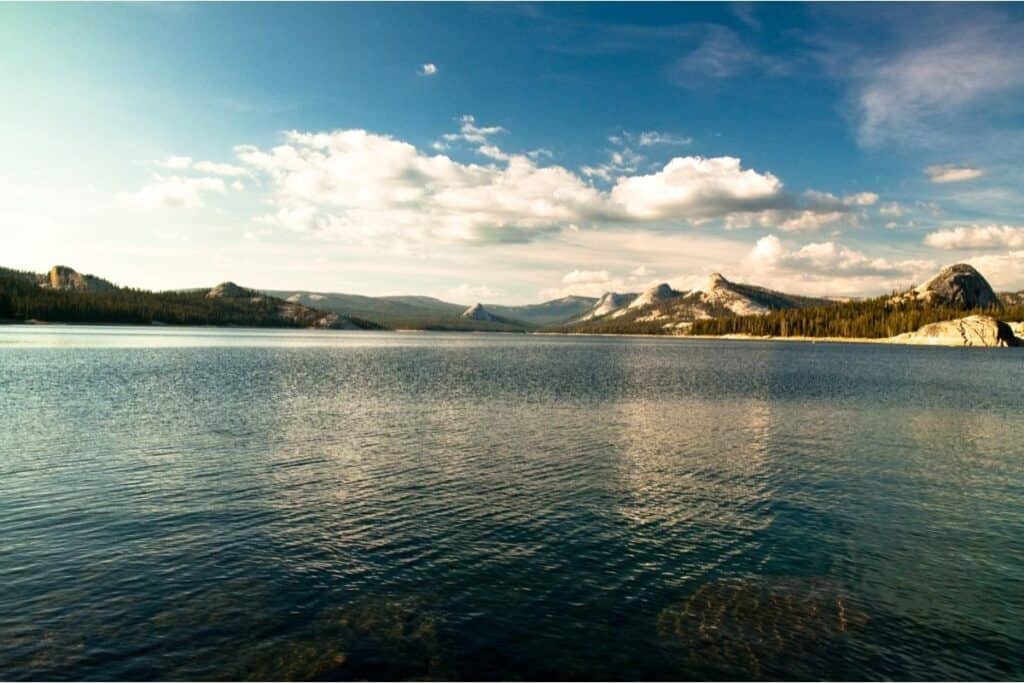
(929, 73)
(428, 69)
(172, 192)
(744, 11)
(470, 132)
(182, 163)
(950, 173)
(175, 162)
(219, 168)
(722, 54)
(891, 210)
(652, 137)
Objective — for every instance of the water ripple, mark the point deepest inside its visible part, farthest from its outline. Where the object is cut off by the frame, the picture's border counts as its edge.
(234, 504)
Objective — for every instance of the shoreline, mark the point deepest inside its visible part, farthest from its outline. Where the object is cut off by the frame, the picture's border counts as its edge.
(739, 337)
(945, 342)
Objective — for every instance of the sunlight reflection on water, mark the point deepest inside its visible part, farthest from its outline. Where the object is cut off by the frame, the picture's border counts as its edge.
(289, 504)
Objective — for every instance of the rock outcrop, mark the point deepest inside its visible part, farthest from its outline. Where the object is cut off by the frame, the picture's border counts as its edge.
(959, 285)
(974, 330)
(229, 290)
(69, 279)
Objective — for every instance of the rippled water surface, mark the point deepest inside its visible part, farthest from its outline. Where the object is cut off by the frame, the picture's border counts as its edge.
(197, 504)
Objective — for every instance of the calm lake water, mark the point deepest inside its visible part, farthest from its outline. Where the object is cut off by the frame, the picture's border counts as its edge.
(198, 504)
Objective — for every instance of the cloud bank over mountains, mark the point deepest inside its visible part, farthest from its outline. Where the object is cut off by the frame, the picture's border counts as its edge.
(373, 190)
(360, 186)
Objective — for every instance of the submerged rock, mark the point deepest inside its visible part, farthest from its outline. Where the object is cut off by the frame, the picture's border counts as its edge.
(374, 638)
(754, 628)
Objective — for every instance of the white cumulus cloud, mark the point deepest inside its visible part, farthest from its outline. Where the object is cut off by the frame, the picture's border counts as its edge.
(832, 260)
(428, 69)
(353, 181)
(359, 186)
(696, 187)
(977, 237)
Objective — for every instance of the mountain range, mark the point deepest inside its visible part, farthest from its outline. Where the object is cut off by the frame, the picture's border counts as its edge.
(718, 306)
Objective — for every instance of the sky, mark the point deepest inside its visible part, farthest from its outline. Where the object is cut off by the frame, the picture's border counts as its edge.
(513, 153)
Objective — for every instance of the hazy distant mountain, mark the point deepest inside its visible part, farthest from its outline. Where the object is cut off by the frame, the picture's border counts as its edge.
(422, 312)
(403, 312)
(547, 313)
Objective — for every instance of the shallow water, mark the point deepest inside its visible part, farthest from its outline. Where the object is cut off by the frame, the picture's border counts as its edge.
(197, 504)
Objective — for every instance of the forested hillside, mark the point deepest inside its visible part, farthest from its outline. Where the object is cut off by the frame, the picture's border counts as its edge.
(875, 318)
(23, 298)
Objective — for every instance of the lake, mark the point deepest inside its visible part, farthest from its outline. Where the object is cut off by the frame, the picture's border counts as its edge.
(209, 504)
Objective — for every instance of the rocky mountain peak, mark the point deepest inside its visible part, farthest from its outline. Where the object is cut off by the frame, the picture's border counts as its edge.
(714, 281)
(654, 294)
(608, 303)
(228, 290)
(958, 285)
(478, 312)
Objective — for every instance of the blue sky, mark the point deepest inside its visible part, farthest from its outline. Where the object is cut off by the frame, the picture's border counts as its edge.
(548, 149)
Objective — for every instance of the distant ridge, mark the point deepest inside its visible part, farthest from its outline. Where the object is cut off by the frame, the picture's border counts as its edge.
(958, 295)
(422, 312)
